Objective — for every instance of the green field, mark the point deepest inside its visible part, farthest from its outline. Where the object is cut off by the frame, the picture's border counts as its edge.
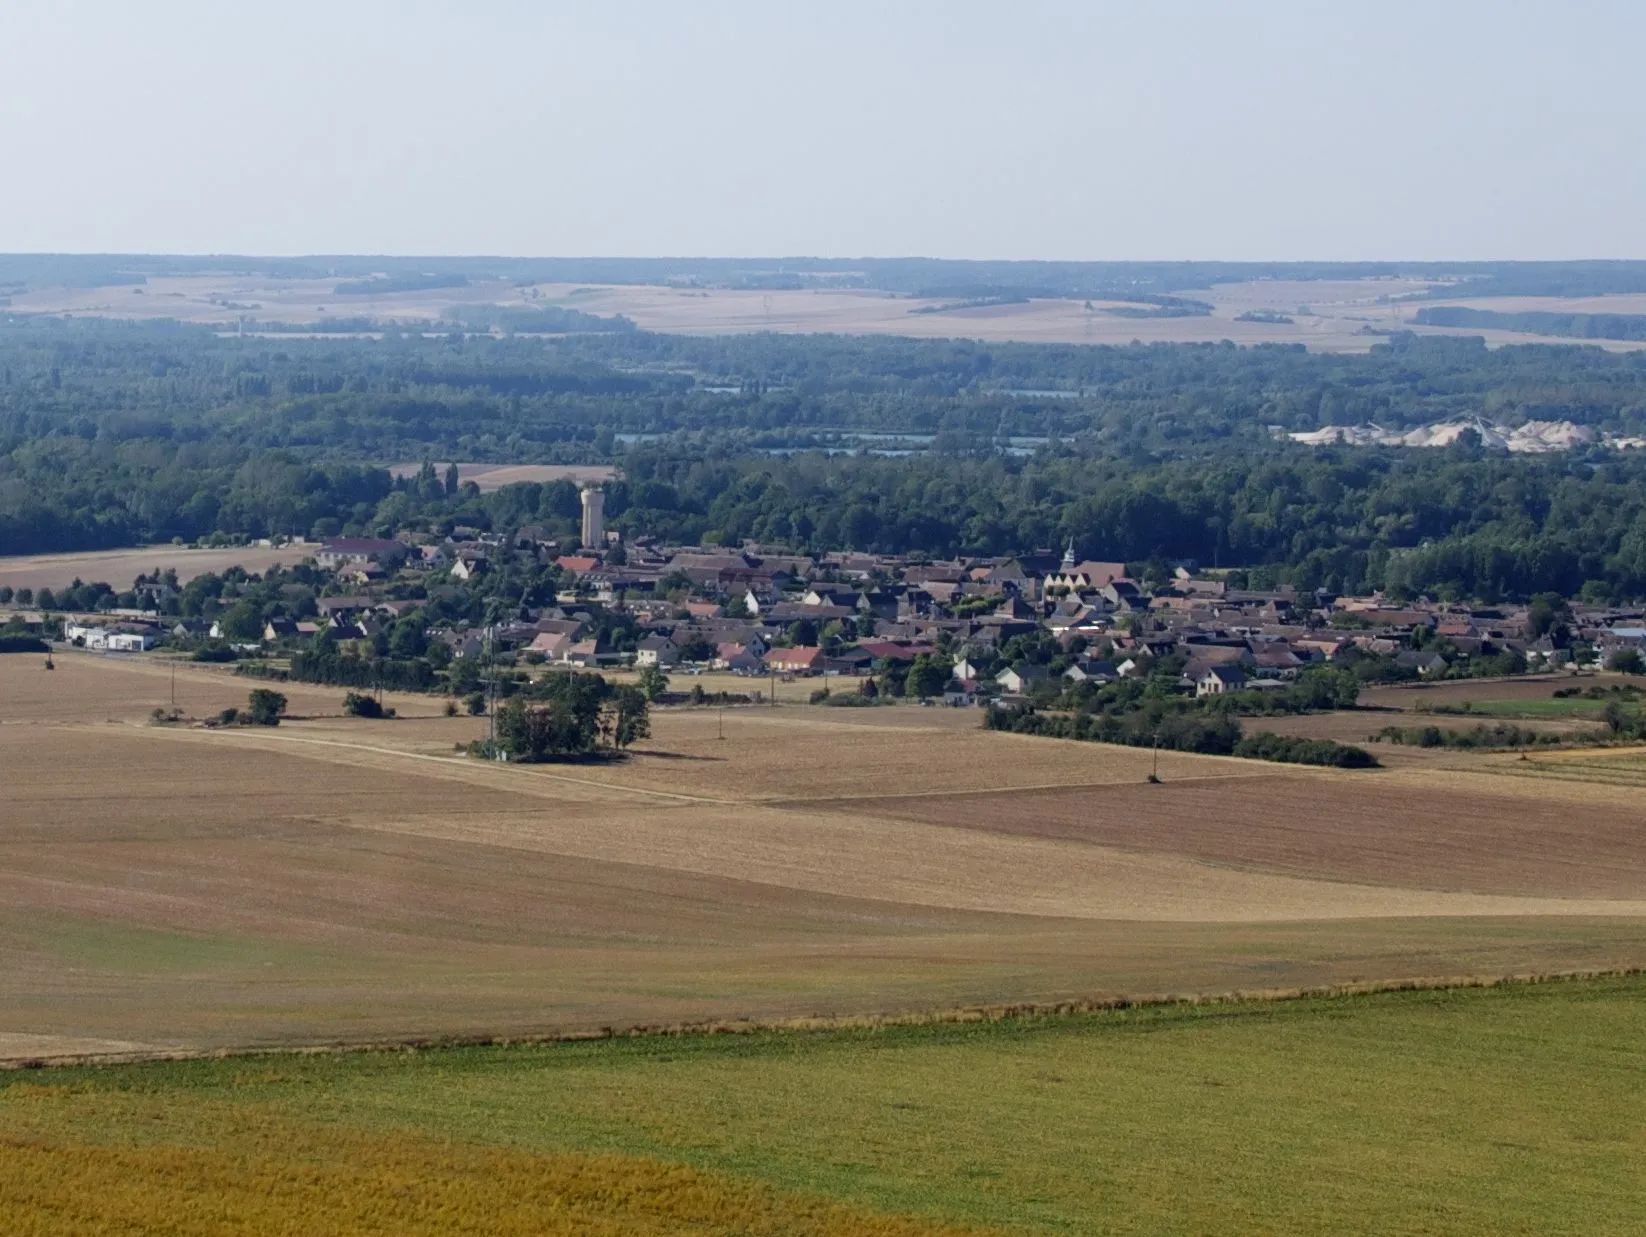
(1514, 1109)
(1566, 706)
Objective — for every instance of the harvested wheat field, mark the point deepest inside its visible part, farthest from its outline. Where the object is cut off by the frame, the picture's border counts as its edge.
(173, 888)
(491, 477)
(118, 568)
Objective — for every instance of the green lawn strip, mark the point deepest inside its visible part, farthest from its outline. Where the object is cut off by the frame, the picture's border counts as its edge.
(1570, 706)
(1508, 1110)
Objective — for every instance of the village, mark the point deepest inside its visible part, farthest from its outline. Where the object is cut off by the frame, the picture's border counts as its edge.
(963, 631)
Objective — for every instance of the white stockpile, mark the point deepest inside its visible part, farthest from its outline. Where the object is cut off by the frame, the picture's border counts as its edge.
(1530, 437)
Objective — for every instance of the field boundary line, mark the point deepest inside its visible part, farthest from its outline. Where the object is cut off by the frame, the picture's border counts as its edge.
(954, 1015)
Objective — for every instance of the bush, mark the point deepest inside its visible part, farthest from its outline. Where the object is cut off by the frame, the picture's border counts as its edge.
(357, 704)
(265, 707)
(654, 682)
(1501, 735)
(260, 670)
(1627, 661)
(215, 651)
(1293, 749)
(851, 700)
(23, 644)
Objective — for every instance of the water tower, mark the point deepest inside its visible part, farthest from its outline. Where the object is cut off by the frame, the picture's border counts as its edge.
(594, 517)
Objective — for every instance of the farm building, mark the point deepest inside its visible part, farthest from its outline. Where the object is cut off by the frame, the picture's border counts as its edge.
(360, 551)
(114, 637)
(799, 660)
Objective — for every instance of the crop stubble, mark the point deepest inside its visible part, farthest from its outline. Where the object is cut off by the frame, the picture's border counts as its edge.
(341, 879)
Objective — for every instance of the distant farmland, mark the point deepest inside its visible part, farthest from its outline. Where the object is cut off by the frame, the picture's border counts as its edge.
(495, 476)
(1324, 315)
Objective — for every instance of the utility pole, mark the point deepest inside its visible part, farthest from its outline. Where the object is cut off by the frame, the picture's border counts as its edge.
(174, 685)
(491, 689)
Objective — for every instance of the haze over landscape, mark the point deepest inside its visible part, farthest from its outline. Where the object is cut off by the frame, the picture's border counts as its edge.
(1470, 130)
(738, 620)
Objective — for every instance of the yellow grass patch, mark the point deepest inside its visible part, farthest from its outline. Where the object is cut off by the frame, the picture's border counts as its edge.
(295, 1186)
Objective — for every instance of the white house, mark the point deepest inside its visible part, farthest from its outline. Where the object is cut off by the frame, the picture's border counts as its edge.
(1018, 681)
(656, 651)
(1216, 680)
(1092, 670)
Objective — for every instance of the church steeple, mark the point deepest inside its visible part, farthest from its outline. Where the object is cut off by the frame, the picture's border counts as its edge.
(1068, 557)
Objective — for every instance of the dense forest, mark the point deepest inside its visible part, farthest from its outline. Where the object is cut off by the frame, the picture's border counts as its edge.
(116, 433)
(524, 398)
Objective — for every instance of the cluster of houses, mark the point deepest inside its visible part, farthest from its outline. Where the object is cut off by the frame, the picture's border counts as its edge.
(756, 610)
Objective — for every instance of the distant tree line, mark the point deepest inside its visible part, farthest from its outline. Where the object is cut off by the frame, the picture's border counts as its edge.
(114, 434)
(1538, 322)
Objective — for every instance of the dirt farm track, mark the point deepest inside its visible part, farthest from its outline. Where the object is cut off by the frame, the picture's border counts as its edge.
(340, 880)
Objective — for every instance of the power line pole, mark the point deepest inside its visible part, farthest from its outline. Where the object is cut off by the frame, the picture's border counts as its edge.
(491, 689)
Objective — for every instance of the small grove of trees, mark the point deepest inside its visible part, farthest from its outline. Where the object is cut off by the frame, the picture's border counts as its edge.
(571, 716)
(1297, 750)
(337, 669)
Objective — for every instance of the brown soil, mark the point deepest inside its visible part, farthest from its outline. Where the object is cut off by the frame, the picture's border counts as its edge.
(341, 879)
(1350, 827)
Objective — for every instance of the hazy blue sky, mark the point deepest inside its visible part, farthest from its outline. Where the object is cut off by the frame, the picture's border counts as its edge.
(1448, 128)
